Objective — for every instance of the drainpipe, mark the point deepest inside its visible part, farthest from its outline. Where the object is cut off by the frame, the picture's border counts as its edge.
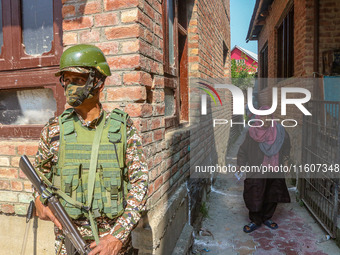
(316, 48)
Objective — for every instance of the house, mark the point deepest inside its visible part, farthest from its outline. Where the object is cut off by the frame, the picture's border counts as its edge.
(156, 50)
(244, 56)
(298, 46)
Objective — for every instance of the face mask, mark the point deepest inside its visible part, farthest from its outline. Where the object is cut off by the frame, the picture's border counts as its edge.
(75, 94)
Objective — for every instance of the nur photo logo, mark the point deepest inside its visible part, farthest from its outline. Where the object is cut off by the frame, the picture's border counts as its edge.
(301, 96)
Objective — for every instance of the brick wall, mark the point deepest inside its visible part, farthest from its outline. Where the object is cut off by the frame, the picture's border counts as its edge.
(209, 29)
(329, 32)
(15, 189)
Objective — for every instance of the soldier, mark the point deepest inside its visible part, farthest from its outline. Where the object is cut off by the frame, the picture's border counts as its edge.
(94, 157)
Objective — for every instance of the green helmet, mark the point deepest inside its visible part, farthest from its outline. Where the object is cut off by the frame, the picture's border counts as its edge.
(83, 56)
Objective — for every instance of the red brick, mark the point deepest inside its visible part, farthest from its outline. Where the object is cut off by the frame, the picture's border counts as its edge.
(77, 23)
(141, 78)
(166, 176)
(89, 36)
(4, 161)
(129, 16)
(150, 189)
(70, 1)
(145, 20)
(7, 148)
(158, 82)
(139, 110)
(28, 186)
(106, 19)
(131, 31)
(158, 182)
(157, 160)
(8, 173)
(146, 49)
(158, 134)
(149, 11)
(4, 185)
(140, 124)
(156, 67)
(22, 175)
(124, 62)
(70, 38)
(110, 106)
(102, 96)
(16, 186)
(89, 8)
(108, 48)
(68, 11)
(156, 123)
(28, 149)
(115, 79)
(119, 4)
(5, 208)
(146, 139)
(158, 31)
(159, 110)
(126, 94)
(130, 46)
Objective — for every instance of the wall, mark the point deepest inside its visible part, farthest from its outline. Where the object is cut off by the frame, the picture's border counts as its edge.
(303, 57)
(237, 54)
(130, 34)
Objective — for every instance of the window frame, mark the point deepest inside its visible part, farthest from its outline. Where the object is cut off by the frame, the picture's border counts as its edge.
(176, 76)
(21, 71)
(285, 45)
(264, 66)
(13, 55)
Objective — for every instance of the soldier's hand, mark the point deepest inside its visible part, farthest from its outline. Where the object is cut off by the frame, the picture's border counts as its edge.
(44, 213)
(108, 245)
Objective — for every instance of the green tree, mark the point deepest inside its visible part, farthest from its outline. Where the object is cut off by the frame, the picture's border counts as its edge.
(242, 75)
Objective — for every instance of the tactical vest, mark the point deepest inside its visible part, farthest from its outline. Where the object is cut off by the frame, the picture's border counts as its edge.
(72, 175)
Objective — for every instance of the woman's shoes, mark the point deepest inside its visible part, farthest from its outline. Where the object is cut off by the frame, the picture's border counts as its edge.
(250, 227)
(270, 224)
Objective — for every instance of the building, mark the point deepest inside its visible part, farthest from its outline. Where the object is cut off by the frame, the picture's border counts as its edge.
(155, 50)
(244, 56)
(298, 46)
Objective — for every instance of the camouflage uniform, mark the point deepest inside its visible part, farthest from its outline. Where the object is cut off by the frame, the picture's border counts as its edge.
(137, 173)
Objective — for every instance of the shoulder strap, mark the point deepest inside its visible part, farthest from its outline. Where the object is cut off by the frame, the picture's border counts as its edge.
(92, 174)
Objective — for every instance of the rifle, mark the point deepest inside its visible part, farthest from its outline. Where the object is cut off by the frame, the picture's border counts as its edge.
(69, 229)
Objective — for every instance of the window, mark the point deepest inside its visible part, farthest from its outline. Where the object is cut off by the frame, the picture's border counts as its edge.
(175, 62)
(264, 66)
(30, 40)
(240, 61)
(285, 46)
(225, 59)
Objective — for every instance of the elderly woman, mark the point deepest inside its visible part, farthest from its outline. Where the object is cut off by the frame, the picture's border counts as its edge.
(264, 145)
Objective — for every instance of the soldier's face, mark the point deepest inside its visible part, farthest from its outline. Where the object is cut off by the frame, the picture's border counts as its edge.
(76, 90)
(75, 78)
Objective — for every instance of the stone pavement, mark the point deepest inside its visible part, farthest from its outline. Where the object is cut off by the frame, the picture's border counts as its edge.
(298, 231)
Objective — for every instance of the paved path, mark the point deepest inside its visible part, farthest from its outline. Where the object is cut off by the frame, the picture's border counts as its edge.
(298, 232)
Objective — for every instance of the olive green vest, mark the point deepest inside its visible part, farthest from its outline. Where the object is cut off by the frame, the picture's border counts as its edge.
(71, 173)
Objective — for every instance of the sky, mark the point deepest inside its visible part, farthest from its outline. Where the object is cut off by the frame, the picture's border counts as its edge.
(241, 12)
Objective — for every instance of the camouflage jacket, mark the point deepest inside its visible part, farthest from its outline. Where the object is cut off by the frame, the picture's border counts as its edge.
(137, 173)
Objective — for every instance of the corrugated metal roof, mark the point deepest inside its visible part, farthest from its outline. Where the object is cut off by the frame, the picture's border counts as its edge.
(253, 55)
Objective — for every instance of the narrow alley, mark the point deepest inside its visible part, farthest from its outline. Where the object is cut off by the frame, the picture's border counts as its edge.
(221, 231)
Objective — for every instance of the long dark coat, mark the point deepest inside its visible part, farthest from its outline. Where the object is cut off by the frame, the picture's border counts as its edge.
(258, 191)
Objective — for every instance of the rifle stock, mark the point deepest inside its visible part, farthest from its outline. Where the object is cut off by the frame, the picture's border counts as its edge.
(69, 229)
